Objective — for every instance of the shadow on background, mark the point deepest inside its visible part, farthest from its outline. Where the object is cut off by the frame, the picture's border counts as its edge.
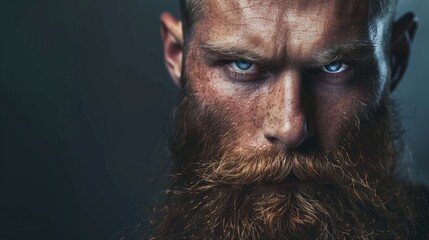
(86, 106)
(85, 115)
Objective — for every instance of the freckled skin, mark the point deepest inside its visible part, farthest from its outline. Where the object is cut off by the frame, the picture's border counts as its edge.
(287, 108)
(264, 113)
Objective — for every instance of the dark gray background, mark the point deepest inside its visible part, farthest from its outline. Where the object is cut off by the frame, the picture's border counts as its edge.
(86, 107)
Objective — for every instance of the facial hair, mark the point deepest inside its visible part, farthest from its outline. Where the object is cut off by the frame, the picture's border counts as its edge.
(220, 191)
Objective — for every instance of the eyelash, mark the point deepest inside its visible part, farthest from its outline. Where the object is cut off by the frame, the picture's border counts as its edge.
(317, 75)
(239, 76)
(342, 77)
(260, 73)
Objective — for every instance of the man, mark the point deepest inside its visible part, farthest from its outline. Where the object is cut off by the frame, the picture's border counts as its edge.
(286, 128)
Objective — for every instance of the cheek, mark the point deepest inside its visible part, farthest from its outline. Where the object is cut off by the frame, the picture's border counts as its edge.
(243, 109)
(337, 110)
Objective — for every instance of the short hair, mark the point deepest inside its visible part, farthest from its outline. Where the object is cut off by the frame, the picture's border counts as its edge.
(192, 10)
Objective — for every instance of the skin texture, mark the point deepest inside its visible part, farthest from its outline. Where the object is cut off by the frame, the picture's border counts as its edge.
(279, 104)
(293, 147)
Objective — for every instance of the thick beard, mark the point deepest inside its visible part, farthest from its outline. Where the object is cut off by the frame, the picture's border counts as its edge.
(221, 192)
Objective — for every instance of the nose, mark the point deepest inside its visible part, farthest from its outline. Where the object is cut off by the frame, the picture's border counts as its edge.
(285, 123)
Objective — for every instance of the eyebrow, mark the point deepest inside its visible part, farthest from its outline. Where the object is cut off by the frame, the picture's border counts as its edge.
(354, 50)
(213, 53)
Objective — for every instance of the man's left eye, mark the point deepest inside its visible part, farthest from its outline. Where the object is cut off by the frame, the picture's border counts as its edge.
(241, 66)
(335, 67)
(244, 71)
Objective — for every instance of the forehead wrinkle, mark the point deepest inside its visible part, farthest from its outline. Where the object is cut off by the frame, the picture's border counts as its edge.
(325, 26)
(250, 20)
(240, 5)
(345, 9)
(246, 10)
(302, 26)
(246, 26)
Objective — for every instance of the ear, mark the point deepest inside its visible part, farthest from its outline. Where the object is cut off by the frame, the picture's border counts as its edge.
(172, 38)
(404, 31)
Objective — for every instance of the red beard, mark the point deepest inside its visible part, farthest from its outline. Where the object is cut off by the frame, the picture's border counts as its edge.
(220, 192)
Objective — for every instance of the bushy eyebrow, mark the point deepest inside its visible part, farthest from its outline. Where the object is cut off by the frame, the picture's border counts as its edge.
(352, 50)
(212, 53)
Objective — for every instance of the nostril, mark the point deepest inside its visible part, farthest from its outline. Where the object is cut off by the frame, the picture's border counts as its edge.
(271, 139)
(290, 138)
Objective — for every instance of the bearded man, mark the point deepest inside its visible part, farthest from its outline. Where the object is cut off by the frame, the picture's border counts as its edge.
(286, 127)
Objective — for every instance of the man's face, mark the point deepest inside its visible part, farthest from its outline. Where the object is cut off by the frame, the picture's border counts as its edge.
(286, 71)
(285, 128)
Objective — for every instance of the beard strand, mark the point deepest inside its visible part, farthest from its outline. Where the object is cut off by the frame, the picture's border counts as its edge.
(220, 192)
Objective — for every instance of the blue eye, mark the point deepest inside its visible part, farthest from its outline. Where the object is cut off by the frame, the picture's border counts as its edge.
(242, 65)
(335, 67)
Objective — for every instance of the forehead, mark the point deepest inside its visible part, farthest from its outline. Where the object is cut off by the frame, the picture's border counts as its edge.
(282, 27)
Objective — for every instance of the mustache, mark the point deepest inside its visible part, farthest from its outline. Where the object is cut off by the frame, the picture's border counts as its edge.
(243, 168)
